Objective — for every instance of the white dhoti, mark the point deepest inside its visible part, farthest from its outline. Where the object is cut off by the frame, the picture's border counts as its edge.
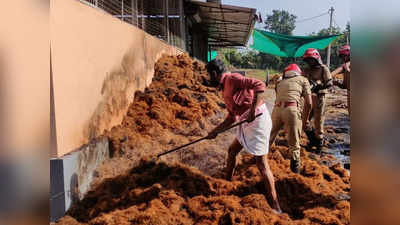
(254, 136)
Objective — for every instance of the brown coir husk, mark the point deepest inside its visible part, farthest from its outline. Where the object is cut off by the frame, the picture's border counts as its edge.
(177, 103)
(177, 107)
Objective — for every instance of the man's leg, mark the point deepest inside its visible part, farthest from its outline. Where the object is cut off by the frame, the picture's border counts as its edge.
(294, 126)
(319, 117)
(310, 131)
(313, 137)
(233, 150)
(276, 126)
(263, 166)
(314, 110)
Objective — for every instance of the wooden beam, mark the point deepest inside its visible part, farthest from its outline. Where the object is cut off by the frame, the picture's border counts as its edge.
(143, 18)
(122, 10)
(226, 40)
(182, 24)
(224, 21)
(166, 21)
(134, 12)
(222, 31)
(225, 7)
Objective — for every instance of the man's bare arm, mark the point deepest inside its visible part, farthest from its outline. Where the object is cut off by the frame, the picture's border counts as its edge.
(256, 101)
(229, 120)
(337, 71)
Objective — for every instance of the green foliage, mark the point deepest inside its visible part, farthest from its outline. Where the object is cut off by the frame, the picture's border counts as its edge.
(281, 22)
(325, 32)
(233, 57)
(251, 59)
(223, 54)
(260, 74)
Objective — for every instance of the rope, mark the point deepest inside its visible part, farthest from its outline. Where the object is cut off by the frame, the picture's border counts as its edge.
(311, 18)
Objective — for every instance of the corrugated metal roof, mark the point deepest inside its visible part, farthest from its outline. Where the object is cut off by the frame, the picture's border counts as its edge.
(227, 25)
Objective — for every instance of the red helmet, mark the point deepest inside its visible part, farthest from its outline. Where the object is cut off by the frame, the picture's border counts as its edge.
(312, 53)
(344, 50)
(292, 70)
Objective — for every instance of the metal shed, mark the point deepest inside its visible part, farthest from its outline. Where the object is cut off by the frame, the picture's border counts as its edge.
(214, 25)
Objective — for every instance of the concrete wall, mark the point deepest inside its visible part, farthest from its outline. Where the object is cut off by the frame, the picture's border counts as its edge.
(72, 175)
(79, 168)
(98, 62)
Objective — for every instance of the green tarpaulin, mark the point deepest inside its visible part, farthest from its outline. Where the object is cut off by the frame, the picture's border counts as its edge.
(287, 46)
(212, 55)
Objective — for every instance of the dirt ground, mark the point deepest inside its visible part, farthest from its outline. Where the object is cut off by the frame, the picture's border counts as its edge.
(186, 187)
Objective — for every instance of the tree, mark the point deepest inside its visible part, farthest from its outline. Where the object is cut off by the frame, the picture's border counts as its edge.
(233, 57)
(325, 32)
(281, 22)
(269, 61)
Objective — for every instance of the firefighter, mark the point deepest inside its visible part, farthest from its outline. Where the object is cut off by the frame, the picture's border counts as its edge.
(319, 75)
(288, 113)
(344, 54)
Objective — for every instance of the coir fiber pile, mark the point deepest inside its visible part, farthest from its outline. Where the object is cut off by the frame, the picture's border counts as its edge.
(178, 107)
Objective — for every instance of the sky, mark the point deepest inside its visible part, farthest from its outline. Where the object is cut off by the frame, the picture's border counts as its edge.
(302, 9)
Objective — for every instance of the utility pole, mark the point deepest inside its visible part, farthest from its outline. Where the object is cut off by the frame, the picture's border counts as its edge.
(328, 55)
